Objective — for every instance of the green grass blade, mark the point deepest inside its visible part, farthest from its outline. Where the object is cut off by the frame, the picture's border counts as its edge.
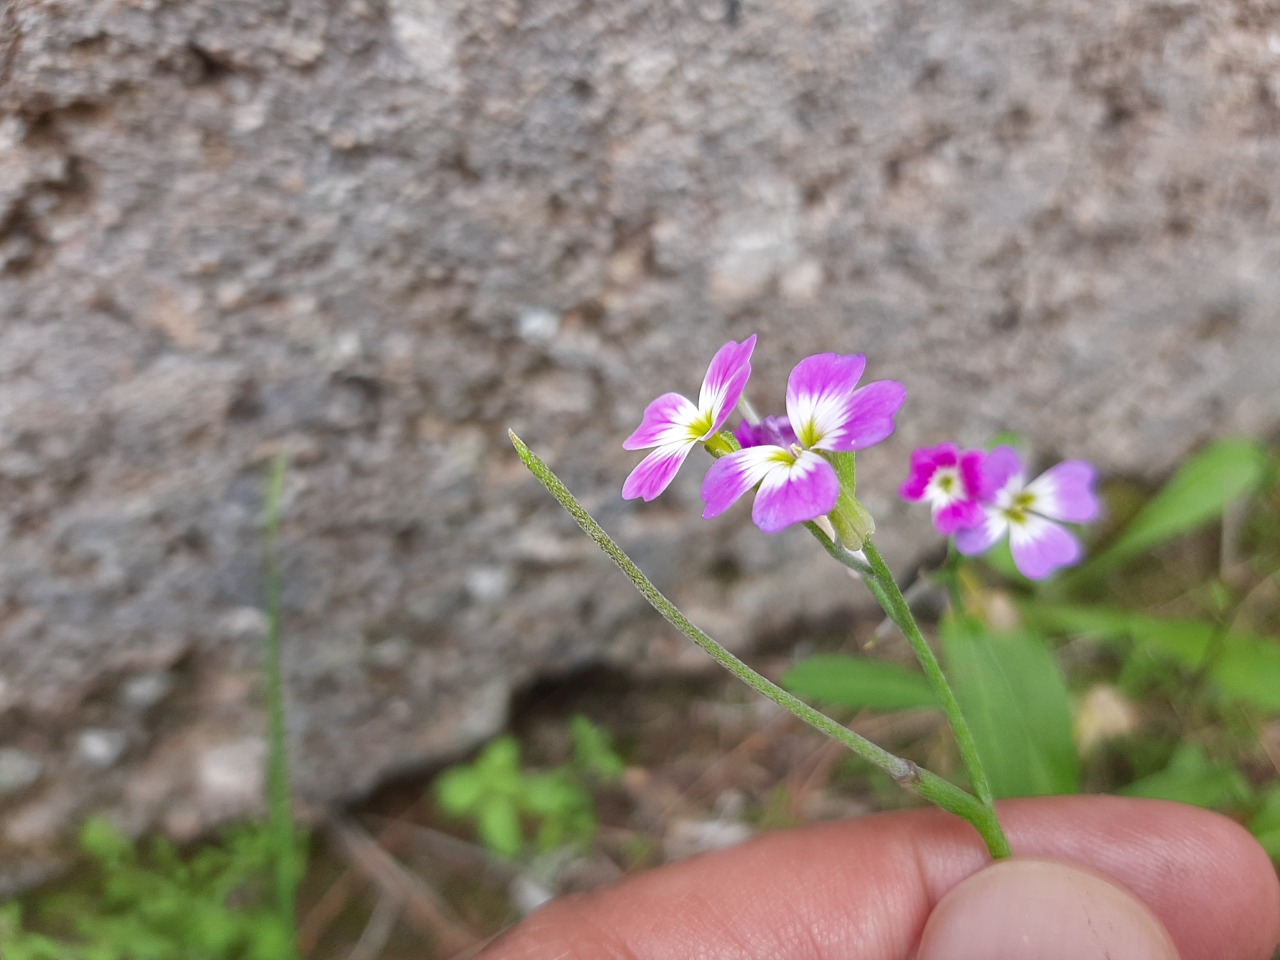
(859, 682)
(1197, 493)
(284, 835)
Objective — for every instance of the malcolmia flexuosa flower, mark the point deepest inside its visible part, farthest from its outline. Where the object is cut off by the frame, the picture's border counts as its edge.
(950, 481)
(827, 413)
(672, 425)
(1032, 513)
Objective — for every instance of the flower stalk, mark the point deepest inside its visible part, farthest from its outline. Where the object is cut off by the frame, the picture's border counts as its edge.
(977, 810)
(896, 606)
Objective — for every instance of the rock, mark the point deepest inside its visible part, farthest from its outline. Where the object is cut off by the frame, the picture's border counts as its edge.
(101, 749)
(18, 770)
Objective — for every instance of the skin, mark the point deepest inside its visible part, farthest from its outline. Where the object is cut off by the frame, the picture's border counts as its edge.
(865, 889)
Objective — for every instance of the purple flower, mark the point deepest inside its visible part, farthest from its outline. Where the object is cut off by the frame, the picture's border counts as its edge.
(774, 430)
(1032, 513)
(825, 411)
(950, 479)
(672, 425)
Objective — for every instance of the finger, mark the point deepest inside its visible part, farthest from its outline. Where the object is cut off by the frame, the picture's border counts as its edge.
(863, 889)
(1047, 909)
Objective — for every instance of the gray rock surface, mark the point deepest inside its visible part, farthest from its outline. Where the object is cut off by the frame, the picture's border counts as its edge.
(376, 234)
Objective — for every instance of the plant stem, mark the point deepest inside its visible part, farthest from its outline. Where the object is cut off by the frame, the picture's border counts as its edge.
(928, 785)
(283, 830)
(900, 613)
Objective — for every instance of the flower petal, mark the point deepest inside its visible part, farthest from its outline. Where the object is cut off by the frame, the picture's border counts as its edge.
(818, 391)
(868, 417)
(802, 490)
(733, 475)
(925, 462)
(654, 473)
(1041, 546)
(981, 536)
(971, 462)
(725, 380)
(1001, 470)
(770, 430)
(957, 514)
(1065, 492)
(665, 420)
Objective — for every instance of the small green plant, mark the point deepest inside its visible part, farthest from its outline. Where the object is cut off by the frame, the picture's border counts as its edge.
(233, 900)
(153, 903)
(515, 810)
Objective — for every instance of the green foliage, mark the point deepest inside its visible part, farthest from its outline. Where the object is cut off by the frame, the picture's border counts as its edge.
(1241, 668)
(1197, 662)
(1265, 824)
(859, 683)
(1191, 776)
(512, 808)
(286, 865)
(593, 752)
(1016, 702)
(1205, 662)
(233, 900)
(159, 905)
(1197, 494)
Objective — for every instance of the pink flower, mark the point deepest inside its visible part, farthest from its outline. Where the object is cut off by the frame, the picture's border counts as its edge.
(775, 430)
(1032, 513)
(672, 425)
(950, 479)
(825, 412)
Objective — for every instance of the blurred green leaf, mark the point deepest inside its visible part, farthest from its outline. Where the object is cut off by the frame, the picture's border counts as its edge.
(1017, 705)
(1191, 777)
(593, 749)
(458, 790)
(1198, 492)
(499, 762)
(1243, 667)
(1265, 825)
(858, 683)
(102, 840)
(498, 824)
(1005, 438)
(1248, 670)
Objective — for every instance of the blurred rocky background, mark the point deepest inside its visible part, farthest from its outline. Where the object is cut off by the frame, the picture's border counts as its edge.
(374, 234)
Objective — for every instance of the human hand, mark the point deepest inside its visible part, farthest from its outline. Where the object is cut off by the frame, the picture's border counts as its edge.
(1093, 878)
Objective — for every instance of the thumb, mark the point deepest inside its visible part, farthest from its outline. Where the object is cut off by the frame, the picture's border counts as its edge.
(1042, 910)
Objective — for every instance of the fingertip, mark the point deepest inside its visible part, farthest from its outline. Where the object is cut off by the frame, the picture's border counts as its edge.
(1053, 911)
(1207, 879)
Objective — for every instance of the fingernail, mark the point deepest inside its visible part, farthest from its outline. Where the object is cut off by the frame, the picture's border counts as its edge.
(1024, 909)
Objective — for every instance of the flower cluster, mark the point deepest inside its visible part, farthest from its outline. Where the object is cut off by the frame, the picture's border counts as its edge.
(792, 462)
(787, 460)
(980, 497)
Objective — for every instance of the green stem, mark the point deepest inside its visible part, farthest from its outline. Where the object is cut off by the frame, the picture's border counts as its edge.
(900, 613)
(928, 785)
(950, 574)
(840, 552)
(283, 830)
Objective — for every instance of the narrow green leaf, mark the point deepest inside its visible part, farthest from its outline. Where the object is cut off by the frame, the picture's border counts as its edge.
(858, 683)
(1191, 777)
(1014, 697)
(1243, 667)
(1198, 492)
